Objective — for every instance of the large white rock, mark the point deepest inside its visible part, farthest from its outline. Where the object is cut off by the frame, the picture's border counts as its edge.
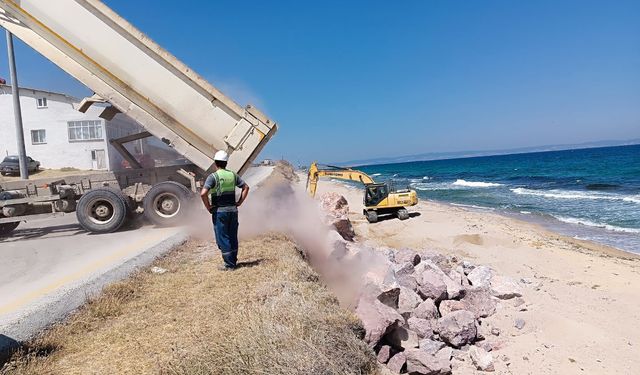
(480, 276)
(482, 359)
(505, 287)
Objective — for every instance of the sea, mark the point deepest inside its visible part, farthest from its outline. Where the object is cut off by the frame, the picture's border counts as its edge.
(591, 194)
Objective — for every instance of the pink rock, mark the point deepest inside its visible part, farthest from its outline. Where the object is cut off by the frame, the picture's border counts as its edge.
(384, 354)
(426, 310)
(431, 346)
(407, 255)
(458, 328)
(423, 327)
(431, 285)
(336, 209)
(448, 306)
(421, 362)
(479, 302)
(408, 300)
(377, 319)
(397, 362)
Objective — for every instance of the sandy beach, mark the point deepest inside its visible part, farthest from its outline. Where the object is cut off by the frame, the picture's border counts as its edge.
(580, 298)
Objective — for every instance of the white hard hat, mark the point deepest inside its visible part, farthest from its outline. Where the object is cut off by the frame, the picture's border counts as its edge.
(221, 156)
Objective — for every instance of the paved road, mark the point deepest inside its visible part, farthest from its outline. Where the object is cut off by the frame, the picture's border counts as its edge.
(48, 267)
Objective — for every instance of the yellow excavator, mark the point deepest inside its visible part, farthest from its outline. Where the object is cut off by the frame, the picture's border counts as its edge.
(379, 198)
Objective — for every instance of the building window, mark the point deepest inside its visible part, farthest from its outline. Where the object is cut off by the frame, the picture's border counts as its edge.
(38, 137)
(90, 130)
(42, 102)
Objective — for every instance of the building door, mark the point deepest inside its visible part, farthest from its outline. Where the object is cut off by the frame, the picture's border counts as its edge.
(98, 159)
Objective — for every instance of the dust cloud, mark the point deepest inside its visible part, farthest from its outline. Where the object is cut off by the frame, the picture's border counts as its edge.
(283, 206)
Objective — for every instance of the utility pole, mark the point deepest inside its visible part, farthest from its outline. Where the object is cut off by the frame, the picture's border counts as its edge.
(17, 112)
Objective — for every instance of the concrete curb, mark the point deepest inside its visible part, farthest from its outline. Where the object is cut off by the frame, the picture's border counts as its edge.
(12, 333)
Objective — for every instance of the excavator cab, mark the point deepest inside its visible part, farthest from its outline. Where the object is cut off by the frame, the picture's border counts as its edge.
(375, 193)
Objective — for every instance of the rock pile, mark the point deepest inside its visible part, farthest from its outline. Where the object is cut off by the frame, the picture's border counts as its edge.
(424, 308)
(419, 309)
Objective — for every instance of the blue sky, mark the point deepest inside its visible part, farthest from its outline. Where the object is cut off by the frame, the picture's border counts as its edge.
(363, 79)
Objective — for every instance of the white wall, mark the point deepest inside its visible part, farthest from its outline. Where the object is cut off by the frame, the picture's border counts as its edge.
(58, 152)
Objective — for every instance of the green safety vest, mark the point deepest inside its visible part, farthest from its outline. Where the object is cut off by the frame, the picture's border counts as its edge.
(223, 193)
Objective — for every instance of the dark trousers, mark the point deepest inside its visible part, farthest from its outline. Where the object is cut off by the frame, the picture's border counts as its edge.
(225, 227)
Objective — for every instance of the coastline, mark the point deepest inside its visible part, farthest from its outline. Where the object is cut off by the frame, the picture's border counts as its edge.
(587, 244)
(580, 297)
(544, 225)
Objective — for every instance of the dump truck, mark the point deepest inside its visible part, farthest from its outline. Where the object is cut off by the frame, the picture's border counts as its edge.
(132, 75)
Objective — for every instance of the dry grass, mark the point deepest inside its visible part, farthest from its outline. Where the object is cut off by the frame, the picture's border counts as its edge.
(271, 316)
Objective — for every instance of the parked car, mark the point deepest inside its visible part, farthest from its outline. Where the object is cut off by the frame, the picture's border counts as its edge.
(11, 165)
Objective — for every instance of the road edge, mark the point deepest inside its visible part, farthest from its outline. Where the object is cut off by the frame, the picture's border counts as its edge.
(15, 332)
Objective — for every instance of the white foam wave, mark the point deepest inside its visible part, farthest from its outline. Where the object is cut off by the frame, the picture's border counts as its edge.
(376, 174)
(569, 194)
(423, 186)
(473, 206)
(633, 199)
(478, 184)
(588, 223)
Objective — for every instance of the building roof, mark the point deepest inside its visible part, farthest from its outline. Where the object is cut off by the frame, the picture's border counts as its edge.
(71, 98)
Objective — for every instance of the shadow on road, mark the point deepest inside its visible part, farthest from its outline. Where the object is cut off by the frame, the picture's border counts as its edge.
(33, 233)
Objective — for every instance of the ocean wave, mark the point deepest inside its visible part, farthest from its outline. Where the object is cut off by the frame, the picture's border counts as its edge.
(473, 206)
(633, 198)
(376, 174)
(588, 223)
(425, 186)
(570, 194)
(475, 184)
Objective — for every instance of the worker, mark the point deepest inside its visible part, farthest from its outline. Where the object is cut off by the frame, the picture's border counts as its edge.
(219, 197)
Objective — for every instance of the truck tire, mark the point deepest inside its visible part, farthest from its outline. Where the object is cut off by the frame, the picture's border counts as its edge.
(372, 216)
(7, 228)
(166, 203)
(402, 214)
(101, 210)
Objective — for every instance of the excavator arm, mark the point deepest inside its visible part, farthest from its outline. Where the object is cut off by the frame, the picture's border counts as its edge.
(316, 172)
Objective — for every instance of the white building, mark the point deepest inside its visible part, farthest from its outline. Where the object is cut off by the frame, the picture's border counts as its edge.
(58, 135)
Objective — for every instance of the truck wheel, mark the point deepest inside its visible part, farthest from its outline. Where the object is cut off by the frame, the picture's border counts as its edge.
(403, 214)
(101, 210)
(166, 203)
(372, 216)
(7, 228)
